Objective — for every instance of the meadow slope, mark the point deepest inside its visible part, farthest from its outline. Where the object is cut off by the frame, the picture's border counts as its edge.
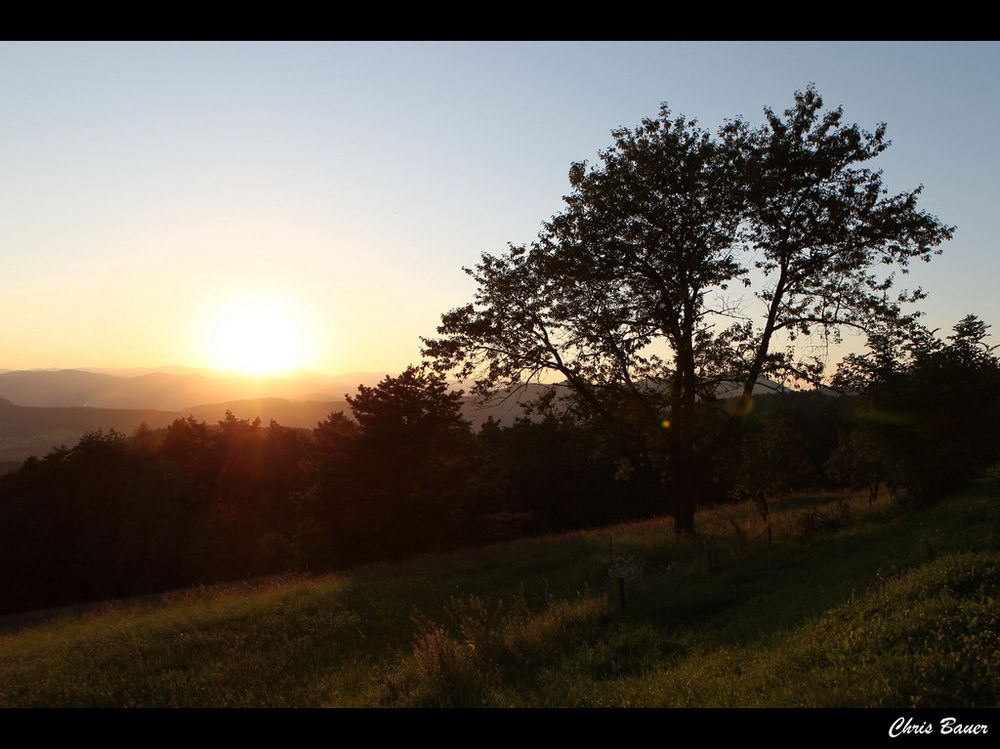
(851, 607)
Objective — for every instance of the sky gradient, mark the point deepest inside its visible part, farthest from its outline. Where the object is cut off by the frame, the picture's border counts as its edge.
(147, 185)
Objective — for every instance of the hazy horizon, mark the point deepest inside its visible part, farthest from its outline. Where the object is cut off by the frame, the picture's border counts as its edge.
(299, 371)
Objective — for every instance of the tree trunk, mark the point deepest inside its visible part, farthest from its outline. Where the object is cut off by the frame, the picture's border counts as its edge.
(684, 517)
(685, 491)
(687, 480)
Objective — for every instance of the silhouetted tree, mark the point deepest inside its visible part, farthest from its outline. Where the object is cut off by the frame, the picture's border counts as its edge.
(414, 445)
(328, 502)
(189, 444)
(394, 483)
(926, 421)
(626, 294)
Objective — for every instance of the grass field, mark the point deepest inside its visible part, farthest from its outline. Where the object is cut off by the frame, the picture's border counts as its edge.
(849, 607)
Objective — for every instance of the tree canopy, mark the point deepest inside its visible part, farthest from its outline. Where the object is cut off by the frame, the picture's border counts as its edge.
(635, 295)
(926, 419)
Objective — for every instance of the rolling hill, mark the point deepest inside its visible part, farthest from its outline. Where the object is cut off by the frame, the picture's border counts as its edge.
(851, 608)
(167, 390)
(27, 431)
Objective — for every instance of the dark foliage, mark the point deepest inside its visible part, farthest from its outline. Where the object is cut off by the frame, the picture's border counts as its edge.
(196, 503)
(926, 422)
(392, 482)
(117, 515)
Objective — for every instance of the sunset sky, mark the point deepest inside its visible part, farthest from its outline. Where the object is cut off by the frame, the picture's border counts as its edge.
(152, 192)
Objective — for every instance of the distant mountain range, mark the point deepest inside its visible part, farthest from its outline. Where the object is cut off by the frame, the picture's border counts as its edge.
(169, 388)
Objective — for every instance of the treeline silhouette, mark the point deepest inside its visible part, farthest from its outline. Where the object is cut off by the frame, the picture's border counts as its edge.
(196, 503)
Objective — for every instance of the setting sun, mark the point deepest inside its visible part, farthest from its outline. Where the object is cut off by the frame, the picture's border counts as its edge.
(257, 335)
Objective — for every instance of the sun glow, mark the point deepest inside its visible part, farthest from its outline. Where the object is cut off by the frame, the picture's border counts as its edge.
(257, 335)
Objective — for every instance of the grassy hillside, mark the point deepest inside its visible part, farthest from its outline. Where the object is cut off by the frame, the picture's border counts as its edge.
(850, 607)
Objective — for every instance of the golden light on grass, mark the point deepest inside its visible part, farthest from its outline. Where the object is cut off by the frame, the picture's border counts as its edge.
(257, 334)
